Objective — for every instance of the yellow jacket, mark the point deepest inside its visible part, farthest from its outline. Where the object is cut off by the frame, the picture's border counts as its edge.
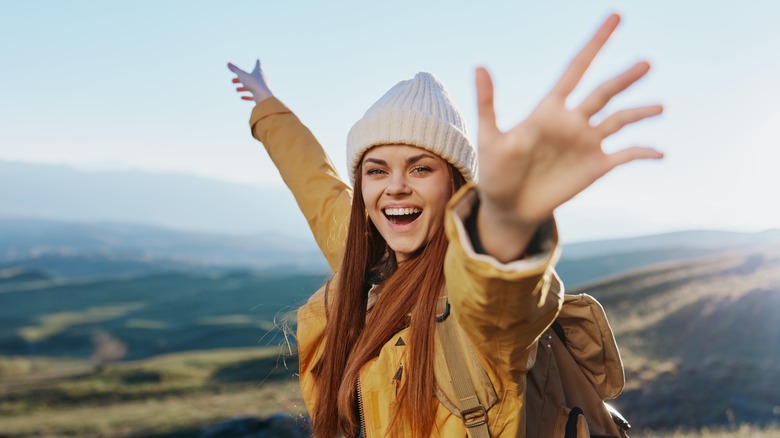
(500, 309)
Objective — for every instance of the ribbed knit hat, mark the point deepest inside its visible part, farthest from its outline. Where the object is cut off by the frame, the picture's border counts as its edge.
(416, 112)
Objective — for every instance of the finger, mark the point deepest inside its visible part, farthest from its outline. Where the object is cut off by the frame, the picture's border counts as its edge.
(576, 69)
(235, 69)
(239, 89)
(485, 108)
(620, 119)
(257, 66)
(631, 154)
(247, 98)
(236, 80)
(599, 98)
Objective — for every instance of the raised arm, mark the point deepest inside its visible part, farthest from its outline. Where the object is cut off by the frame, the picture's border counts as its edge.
(504, 299)
(533, 168)
(324, 199)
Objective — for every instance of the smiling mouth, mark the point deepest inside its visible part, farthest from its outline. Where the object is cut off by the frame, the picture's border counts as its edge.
(402, 216)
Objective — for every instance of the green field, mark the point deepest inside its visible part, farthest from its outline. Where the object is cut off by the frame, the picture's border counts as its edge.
(155, 314)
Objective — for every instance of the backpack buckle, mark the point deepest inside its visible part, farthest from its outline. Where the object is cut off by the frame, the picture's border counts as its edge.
(473, 417)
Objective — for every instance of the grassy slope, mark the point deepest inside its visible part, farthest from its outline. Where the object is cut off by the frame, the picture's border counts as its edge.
(173, 395)
(700, 340)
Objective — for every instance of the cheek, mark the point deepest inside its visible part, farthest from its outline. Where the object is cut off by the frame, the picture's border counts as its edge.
(437, 202)
(368, 192)
(445, 193)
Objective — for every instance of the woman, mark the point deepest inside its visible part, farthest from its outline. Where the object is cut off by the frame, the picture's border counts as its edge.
(370, 362)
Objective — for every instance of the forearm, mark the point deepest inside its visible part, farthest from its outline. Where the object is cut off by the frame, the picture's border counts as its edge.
(503, 307)
(322, 196)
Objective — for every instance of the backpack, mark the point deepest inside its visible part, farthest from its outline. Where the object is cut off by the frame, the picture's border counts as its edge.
(577, 367)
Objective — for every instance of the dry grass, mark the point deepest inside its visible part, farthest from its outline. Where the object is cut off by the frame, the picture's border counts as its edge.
(156, 416)
(743, 431)
(186, 392)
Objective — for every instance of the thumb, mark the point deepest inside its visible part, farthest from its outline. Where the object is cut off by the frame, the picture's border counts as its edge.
(235, 69)
(257, 66)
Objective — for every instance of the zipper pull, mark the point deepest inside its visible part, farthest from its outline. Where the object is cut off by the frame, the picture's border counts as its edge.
(397, 377)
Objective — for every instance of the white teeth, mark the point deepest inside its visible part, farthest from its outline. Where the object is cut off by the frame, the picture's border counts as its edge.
(401, 211)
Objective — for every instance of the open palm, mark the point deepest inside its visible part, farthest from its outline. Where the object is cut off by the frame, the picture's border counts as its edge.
(528, 171)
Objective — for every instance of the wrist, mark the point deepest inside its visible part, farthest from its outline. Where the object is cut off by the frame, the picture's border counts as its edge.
(261, 95)
(504, 217)
(504, 236)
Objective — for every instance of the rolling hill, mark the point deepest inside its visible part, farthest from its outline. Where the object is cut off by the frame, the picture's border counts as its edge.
(155, 314)
(696, 323)
(700, 339)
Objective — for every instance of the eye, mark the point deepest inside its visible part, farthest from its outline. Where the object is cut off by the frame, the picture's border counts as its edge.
(421, 169)
(375, 171)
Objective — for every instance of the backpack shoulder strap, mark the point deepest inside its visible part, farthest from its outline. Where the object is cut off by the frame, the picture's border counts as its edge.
(472, 412)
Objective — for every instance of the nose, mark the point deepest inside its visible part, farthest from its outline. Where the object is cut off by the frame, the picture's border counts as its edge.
(397, 185)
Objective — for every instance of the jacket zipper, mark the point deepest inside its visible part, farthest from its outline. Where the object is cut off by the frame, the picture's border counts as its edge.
(360, 409)
(397, 378)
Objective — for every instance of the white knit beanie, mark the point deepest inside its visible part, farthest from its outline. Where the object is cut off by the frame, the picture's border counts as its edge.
(416, 112)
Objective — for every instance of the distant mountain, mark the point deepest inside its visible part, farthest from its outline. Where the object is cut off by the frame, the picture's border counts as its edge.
(97, 249)
(76, 224)
(701, 239)
(582, 263)
(93, 250)
(62, 193)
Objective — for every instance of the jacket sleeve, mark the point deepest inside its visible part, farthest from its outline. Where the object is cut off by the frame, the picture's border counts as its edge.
(324, 199)
(310, 339)
(502, 307)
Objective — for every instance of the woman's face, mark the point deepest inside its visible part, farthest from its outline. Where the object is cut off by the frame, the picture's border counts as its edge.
(405, 190)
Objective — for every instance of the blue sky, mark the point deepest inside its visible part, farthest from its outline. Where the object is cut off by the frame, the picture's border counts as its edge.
(143, 85)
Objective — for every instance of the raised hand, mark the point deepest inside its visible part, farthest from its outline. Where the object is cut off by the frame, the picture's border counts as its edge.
(531, 169)
(253, 82)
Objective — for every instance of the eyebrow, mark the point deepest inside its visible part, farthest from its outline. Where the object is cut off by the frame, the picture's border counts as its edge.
(410, 160)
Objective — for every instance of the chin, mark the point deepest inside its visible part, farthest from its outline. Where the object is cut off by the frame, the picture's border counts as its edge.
(405, 252)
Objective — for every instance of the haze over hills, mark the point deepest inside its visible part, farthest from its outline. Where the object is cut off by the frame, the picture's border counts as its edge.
(177, 201)
(191, 203)
(95, 250)
(709, 240)
(585, 262)
(78, 250)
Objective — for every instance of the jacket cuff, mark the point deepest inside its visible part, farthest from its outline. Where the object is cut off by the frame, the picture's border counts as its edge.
(542, 249)
(265, 108)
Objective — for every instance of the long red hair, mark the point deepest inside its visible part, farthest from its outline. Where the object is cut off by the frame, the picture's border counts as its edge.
(352, 340)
